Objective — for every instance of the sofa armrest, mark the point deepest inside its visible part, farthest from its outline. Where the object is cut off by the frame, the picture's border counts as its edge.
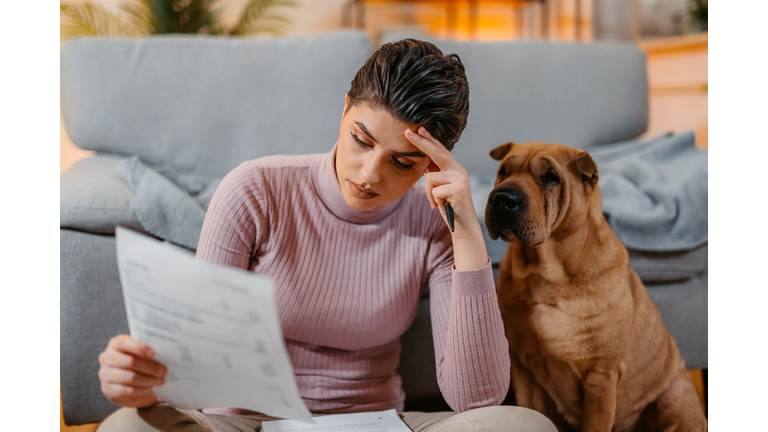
(94, 198)
(91, 312)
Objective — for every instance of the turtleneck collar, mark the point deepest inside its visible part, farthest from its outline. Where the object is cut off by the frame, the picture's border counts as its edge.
(323, 172)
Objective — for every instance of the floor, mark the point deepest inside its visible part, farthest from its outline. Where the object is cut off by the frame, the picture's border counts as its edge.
(696, 375)
(82, 428)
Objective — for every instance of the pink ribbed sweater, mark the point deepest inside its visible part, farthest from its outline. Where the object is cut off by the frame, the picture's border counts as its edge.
(348, 285)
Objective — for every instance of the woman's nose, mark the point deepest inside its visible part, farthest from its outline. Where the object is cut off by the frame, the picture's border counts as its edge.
(371, 170)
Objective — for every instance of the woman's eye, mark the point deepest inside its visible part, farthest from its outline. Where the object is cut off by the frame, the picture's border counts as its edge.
(358, 141)
(549, 177)
(401, 165)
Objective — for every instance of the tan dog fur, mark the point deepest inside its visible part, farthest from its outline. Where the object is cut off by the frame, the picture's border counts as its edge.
(588, 347)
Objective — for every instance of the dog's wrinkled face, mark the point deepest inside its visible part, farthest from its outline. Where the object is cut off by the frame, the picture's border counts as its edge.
(540, 189)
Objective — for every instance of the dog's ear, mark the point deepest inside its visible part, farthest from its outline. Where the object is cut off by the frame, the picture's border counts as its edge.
(499, 152)
(586, 166)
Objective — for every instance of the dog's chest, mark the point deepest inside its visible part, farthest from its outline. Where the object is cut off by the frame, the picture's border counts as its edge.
(550, 345)
(542, 321)
(553, 337)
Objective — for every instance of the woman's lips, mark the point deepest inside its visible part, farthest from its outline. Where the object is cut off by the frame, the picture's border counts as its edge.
(360, 191)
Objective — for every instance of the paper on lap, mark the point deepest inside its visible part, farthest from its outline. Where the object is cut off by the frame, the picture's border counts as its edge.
(215, 328)
(381, 421)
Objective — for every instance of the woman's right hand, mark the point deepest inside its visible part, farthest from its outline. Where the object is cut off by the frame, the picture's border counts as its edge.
(128, 373)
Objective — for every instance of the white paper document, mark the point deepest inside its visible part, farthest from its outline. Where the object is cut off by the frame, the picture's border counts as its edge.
(381, 421)
(215, 328)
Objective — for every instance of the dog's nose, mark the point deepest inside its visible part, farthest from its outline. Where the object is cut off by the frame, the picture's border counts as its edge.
(506, 202)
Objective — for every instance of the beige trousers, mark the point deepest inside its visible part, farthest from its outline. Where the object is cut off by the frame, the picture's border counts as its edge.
(168, 419)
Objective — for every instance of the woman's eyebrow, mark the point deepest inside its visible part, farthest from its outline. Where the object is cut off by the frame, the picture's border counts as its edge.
(409, 154)
(412, 154)
(365, 130)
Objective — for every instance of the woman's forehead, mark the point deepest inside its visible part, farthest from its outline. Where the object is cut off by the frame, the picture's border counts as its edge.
(382, 128)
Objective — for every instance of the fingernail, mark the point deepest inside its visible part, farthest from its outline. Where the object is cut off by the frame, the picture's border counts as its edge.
(422, 130)
(409, 132)
(149, 352)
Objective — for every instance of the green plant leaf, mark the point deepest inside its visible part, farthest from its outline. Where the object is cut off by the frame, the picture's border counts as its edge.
(140, 18)
(139, 14)
(87, 19)
(254, 18)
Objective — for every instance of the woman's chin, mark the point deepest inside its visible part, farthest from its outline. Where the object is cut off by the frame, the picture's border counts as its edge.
(362, 204)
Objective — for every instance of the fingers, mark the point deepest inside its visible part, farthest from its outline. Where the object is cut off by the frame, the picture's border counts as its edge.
(441, 196)
(120, 360)
(437, 179)
(125, 352)
(130, 378)
(129, 345)
(425, 142)
(447, 181)
(445, 186)
(127, 372)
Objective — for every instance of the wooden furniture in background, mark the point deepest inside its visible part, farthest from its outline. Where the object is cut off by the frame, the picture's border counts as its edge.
(451, 6)
(678, 80)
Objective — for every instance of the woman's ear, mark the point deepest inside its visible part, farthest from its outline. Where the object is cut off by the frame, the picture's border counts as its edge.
(346, 104)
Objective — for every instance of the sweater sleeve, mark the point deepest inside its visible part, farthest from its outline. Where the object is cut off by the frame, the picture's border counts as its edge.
(471, 350)
(235, 223)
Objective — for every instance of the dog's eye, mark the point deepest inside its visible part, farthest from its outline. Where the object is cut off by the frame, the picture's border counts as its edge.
(549, 177)
(502, 172)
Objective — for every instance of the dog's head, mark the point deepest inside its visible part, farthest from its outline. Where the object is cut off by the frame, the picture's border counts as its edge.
(540, 189)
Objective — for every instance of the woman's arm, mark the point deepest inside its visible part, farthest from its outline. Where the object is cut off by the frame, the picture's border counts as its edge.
(471, 350)
(236, 221)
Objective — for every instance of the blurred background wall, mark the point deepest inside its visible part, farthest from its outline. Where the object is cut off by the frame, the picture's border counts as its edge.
(677, 57)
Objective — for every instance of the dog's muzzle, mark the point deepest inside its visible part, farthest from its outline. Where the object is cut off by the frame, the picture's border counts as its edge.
(506, 203)
(503, 211)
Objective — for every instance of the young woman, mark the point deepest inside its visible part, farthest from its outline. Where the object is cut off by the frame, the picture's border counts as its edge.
(351, 243)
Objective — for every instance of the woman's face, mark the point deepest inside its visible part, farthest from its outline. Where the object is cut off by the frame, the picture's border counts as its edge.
(375, 163)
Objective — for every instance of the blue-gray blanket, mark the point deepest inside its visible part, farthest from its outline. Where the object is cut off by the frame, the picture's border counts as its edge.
(169, 206)
(654, 196)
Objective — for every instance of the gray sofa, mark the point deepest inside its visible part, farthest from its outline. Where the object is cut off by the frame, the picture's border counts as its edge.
(198, 106)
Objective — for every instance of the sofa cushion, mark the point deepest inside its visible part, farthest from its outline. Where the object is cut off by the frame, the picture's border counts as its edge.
(667, 267)
(94, 198)
(205, 104)
(683, 306)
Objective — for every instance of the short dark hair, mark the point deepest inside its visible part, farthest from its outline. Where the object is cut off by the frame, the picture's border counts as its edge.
(415, 83)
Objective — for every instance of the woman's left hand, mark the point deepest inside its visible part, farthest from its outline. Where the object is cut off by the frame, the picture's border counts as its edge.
(447, 181)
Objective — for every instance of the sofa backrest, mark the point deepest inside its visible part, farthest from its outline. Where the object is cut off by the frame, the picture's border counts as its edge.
(566, 93)
(205, 104)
